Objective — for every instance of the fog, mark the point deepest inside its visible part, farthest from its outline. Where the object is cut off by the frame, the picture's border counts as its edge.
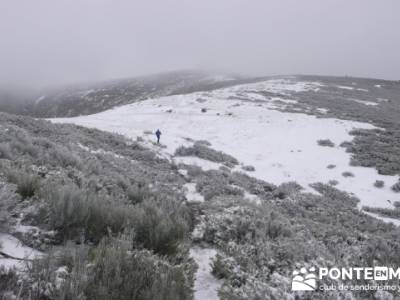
(48, 42)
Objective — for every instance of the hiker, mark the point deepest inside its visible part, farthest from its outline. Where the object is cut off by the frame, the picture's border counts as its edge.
(158, 135)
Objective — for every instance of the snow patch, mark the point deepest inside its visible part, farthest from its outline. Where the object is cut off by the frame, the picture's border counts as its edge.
(13, 247)
(191, 194)
(205, 284)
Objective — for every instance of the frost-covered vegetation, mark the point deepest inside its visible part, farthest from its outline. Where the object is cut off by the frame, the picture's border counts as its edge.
(114, 210)
(201, 150)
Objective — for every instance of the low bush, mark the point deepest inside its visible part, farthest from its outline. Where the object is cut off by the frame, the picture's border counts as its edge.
(204, 152)
(109, 271)
(396, 187)
(27, 183)
(249, 168)
(347, 174)
(81, 214)
(326, 143)
(158, 227)
(333, 182)
(379, 184)
(384, 212)
(5, 151)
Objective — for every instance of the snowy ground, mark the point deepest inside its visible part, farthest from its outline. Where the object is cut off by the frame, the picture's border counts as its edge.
(205, 284)
(242, 122)
(13, 247)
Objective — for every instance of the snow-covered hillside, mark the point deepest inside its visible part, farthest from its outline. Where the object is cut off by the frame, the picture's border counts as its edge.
(249, 122)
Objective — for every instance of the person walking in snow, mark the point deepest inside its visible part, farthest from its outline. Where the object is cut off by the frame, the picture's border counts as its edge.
(158, 135)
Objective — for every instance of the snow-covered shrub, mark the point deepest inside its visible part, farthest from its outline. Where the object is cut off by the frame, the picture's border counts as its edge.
(333, 182)
(249, 168)
(331, 166)
(204, 152)
(9, 283)
(203, 142)
(5, 151)
(396, 204)
(81, 214)
(379, 184)
(220, 268)
(347, 174)
(326, 143)
(160, 226)
(384, 212)
(112, 270)
(120, 274)
(27, 184)
(252, 185)
(213, 184)
(396, 187)
(289, 188)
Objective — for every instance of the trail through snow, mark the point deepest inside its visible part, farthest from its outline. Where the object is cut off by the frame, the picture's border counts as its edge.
(205, 284)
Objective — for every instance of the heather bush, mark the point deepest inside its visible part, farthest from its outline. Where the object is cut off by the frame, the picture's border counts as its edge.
(379, 184)
(204, 152)
(347, 174)
(112, 270)
(160, 226)
(396, 187)
(81, 214)
(27, 183)
(249, 168)
(5, 151)
(384, 212)
(326, 143)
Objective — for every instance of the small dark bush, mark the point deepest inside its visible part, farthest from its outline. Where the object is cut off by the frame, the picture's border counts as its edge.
(326, 143)
(158, 230)
(5, 151)
(347, 174)
(78, 213)
(396, 187)
(27, 184)
(207, 153)
(331, 166)
(333, 182)
(249, 168)
(379, 184)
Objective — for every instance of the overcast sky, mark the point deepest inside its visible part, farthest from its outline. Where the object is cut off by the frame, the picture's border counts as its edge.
(47, 42)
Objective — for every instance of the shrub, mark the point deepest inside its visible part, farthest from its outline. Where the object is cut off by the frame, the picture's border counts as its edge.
(27, 184)
(385, 212)
(249, 168)
(333, 182)
(78, 213)
(326, 143)
(331, 166)
(379, 183)
(157, 229)
(396, 204)
(219, 268)
(9, 283)
(396, 187)
(5, 151)
(109, 271)
(204, 152)
(119, 274)
(347, 174)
